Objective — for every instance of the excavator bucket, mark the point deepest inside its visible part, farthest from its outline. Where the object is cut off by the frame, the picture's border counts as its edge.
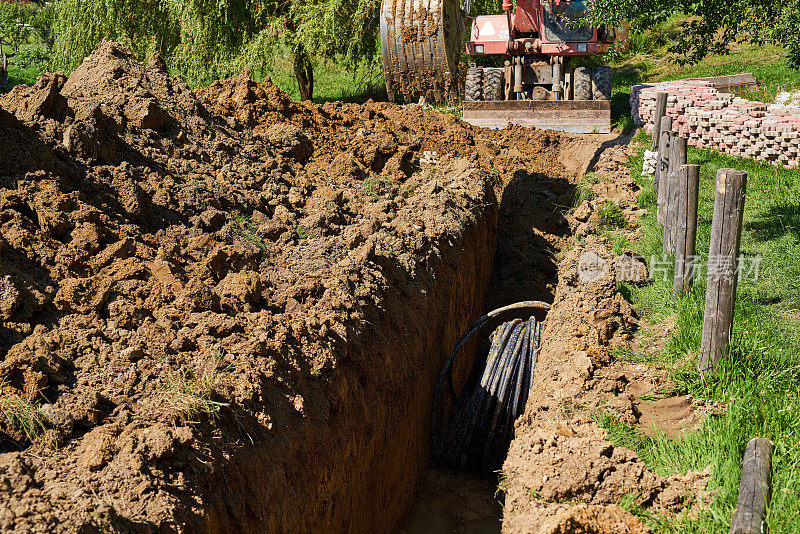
(574, 116)
(421, 44)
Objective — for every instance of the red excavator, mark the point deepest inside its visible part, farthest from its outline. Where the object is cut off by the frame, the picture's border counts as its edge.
(537, 86)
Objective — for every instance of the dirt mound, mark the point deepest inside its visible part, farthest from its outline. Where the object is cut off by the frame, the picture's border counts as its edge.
(225, 303)
(588, 519)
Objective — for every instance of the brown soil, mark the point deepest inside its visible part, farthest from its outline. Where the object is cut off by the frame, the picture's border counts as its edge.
(299, 264)
(560, 456)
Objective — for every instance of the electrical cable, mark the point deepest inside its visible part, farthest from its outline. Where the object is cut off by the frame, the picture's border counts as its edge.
(481, 426)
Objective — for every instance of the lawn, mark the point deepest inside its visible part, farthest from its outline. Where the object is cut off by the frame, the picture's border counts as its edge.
(759, 382)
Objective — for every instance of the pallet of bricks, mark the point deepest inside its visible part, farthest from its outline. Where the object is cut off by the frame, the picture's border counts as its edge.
(722, 121)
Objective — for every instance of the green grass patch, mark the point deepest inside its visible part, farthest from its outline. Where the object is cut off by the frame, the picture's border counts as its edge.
(759, 381)
(609, 215)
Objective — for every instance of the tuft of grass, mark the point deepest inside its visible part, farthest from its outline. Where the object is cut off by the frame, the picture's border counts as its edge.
(302, 233)
(583, 189)
(610, 216)
(190, 391)
(376, 186)
(23, 417)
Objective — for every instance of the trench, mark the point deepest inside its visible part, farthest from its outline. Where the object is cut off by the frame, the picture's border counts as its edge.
(524, 268)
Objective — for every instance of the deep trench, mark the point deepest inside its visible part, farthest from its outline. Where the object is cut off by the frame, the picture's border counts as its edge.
(524, 268)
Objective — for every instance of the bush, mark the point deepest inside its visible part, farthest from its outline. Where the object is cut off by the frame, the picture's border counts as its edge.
(35, 58)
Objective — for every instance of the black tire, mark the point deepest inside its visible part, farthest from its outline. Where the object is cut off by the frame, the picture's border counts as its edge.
(492, 83)
(601, 83)
(473, 88)
(582, 83)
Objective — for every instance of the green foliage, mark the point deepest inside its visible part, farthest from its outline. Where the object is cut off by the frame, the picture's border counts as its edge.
(32, 57)
(583, 190)
(42, 22)
(248, 231)
(204, 40)
(710, 26)
(12, 29)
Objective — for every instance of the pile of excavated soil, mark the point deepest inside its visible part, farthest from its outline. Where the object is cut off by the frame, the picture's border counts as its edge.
(231, 308)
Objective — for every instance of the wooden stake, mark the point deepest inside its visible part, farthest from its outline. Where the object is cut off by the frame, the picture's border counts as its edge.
(686, 227)
(659, 112)
(723, 262)
(662, 160)
(662, 171)
(677, 157)
(755, 488)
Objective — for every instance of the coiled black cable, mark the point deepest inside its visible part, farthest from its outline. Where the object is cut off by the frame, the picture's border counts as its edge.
(478, 433)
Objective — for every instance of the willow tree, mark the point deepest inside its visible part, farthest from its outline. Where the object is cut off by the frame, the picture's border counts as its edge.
(205, 40)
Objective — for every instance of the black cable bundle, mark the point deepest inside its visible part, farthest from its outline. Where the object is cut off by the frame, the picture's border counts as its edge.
(482, 425)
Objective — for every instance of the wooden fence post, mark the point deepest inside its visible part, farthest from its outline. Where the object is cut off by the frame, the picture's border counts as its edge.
(686, 227)
(662, 160)
(723, 262)
(755, 488)
(663, 170)
(677, 157)
(658, 114)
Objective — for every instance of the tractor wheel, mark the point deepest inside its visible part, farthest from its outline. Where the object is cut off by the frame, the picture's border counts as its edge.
(473, 89)
(601, 83)
(492, 84)
(582, 83)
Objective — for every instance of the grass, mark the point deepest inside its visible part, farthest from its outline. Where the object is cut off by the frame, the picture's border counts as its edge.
(583, 189)
(609, 216)
(759, 381)
(332, 82)
(23, 416)
(190, 391)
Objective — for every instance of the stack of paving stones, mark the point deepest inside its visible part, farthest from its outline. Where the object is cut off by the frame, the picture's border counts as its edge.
(722, 121)
(649, 162)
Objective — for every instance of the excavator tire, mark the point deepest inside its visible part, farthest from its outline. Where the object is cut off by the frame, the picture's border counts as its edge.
(473, 88)
(601, 83)
(492, 84)
(582, 80)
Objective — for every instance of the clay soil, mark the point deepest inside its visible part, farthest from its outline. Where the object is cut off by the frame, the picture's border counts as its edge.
(229, 309)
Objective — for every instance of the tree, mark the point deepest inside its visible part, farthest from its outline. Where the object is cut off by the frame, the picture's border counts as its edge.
(711, 25)
(204, 40)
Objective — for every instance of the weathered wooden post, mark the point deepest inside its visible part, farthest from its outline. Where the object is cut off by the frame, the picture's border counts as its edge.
(677, 157)
(662, 162)
(723, 262)
(686, 227)
(755, 488)
(663, 178)
(658, 114)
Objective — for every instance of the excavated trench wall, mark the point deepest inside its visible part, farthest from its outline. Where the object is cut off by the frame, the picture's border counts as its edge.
(359, 471)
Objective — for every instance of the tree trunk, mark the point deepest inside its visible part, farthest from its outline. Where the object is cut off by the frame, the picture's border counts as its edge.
(304, 72)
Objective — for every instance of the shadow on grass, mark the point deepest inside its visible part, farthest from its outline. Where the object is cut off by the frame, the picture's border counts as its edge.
(778, 220)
